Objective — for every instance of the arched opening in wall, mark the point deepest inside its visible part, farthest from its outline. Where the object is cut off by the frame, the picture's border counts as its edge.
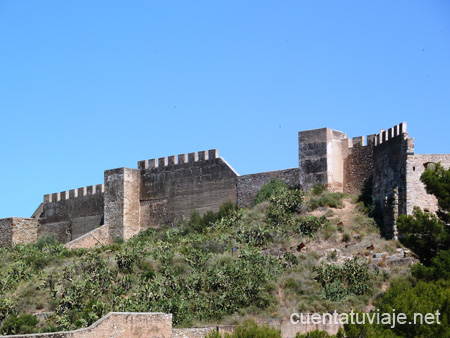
(429, 165)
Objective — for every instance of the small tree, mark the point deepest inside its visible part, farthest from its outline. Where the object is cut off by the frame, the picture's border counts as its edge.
(424, 233)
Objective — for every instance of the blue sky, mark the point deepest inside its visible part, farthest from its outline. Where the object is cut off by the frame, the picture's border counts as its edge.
(92, 85)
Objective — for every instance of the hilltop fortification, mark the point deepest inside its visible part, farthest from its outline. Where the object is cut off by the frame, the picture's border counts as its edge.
(161, 191)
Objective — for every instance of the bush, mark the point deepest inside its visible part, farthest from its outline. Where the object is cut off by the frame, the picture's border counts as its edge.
(328, 199)
(256, 235)
(346, 237)
(283, 205)
(406, 296)
(249, 329)
(438, 269)
(18, 324)
(125, 260)
(46, 240)
(318, 189)
(319, 334)
(338, 282)
(424, 234)
(273, 187)
(198, 223)
(6, 308)
(308, 226)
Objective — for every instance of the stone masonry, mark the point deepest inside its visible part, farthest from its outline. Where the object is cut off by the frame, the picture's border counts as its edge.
(165, 190)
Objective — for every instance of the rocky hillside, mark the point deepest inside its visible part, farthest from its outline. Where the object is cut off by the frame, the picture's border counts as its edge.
(288, 253)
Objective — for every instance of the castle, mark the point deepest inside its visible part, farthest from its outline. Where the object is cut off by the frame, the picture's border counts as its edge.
(162, 190)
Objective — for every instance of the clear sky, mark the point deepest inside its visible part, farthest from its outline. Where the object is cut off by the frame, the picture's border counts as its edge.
(92, 85)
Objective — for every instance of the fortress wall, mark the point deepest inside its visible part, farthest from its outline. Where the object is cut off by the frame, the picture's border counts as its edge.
(122, 212)
(321, 158)
(175, 186)
(312, 151)
(92, 239)
(415, 192)
(18, 230)
(249, 185)
(358, 166)
(70, 214)
(118, 325)
(338, 149)
(6, 231)
(389, 174)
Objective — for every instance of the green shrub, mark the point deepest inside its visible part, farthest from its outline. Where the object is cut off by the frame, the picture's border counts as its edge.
(273, 187)
(249, 329)
(439, 268)
(199, 224)
(308, 226)
(424, 234)
(254, 235)
(328, 199)
(118, 240)
(338, 282)
(18, 324)
(227, 209)
(6, 308)
(410, 297)
(283, 205)
(46, 240)
(346, 237)
(318, 189)
(320, 334)
(125, 260)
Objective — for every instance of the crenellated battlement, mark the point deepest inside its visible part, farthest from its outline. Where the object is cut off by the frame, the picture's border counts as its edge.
(74, 193)
(391, 133)
(174, 160)
(166, 189)
(374, 140)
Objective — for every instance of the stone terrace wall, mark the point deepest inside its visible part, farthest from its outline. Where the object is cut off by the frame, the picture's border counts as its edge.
(18, 230)
(249, 185)
(70, 214)
(173, 187)
(389, 175)
(92, 239)
(118, 325)
(200, 332)
(358, 166)
(416, 193)
(195, 332)
(289, 330)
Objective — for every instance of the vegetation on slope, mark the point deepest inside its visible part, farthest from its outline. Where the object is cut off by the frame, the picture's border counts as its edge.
(217, 267)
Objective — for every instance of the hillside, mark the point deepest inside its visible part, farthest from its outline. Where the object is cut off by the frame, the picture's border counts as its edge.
(264, 262)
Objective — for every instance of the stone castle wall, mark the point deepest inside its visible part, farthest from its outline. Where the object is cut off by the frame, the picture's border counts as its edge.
(173, 187)
(321, 158)
(389, 175)
(18, 230)
(70, 214)
(358, 166)
(95, 238)
(313, 153)
(122, 202)
(161, 191)
(415, 189)
(249, 185)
